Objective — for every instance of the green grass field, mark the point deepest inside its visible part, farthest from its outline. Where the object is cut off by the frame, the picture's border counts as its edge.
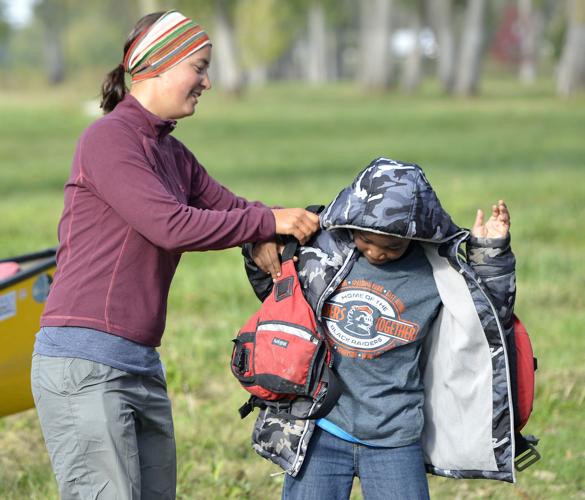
(291, 145)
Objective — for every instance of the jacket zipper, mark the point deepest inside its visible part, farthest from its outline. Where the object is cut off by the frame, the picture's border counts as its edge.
(503, 340)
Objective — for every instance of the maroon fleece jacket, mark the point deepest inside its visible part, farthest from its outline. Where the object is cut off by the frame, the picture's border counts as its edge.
(135, 200)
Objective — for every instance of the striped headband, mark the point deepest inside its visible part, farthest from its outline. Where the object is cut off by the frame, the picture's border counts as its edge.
(168, 41)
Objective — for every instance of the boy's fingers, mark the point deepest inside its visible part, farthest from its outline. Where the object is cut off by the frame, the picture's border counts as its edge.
(478, 228)
(478, 218)
(501, 213)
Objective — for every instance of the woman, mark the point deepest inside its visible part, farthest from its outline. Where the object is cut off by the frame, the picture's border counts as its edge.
(136, 199)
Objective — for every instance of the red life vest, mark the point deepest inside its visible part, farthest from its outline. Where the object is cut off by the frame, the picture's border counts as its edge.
(280, 354)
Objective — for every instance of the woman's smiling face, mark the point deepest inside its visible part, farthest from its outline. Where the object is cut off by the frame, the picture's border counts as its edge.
(180, 88)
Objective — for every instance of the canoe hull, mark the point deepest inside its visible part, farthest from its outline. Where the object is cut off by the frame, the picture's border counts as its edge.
(22, 299)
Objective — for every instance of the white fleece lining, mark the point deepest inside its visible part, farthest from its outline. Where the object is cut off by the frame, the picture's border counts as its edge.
(457, 379)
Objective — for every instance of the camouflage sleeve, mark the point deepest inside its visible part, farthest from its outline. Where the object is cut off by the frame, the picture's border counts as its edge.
(261, 282)
(492, 259)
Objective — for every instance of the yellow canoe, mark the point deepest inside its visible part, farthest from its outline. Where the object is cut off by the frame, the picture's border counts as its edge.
(24, 285)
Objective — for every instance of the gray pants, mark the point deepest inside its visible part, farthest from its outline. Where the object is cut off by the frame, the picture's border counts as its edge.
(109, 433)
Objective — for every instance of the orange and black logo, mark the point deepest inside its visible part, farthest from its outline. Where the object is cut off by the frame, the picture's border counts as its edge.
(363, 320)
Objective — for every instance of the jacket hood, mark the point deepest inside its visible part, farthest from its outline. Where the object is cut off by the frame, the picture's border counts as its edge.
(389, 197)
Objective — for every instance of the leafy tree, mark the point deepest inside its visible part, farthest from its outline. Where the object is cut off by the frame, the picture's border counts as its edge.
(263, 32)
(105, 23)
(315, 52)
(4, 34)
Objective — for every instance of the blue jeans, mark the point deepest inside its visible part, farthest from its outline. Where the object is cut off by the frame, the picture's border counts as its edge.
(331, 464)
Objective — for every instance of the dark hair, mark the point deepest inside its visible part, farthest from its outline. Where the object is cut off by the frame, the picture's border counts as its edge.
(114, 87)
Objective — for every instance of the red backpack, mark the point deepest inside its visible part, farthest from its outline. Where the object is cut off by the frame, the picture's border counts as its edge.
(279, 354)
(523, 364)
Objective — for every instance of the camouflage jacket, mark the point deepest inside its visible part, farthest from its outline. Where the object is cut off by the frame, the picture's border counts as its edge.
(468, 431)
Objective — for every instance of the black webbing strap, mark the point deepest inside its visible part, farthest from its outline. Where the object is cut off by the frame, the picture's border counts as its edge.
(248, 407)
(316, 209)
(282, 408)
(290, 249)
(334, 389)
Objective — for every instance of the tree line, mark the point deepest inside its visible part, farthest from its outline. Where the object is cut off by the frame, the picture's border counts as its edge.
(380, 44)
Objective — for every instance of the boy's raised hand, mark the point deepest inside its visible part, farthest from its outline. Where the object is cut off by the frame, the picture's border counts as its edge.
(497, 226)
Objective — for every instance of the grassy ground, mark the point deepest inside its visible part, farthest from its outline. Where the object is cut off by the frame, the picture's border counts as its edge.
(293, 146)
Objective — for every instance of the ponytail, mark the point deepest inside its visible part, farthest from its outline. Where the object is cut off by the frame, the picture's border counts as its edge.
(113, 88)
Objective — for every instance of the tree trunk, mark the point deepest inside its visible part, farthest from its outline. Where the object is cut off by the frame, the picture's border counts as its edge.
(228, 73)
(471, 53)
(572, 67)
(55, 61)
(258, 76)
(412, 70)
(52, 14)
(317, 44)
(442, 14)
(332, 62)
(528, 27)
(376, 56)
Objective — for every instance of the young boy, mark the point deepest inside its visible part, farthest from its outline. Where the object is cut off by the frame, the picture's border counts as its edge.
(419, 340)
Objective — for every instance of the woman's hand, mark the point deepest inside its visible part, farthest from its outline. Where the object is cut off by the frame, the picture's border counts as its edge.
(497, 226)
(297, 222)
(266, 256)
